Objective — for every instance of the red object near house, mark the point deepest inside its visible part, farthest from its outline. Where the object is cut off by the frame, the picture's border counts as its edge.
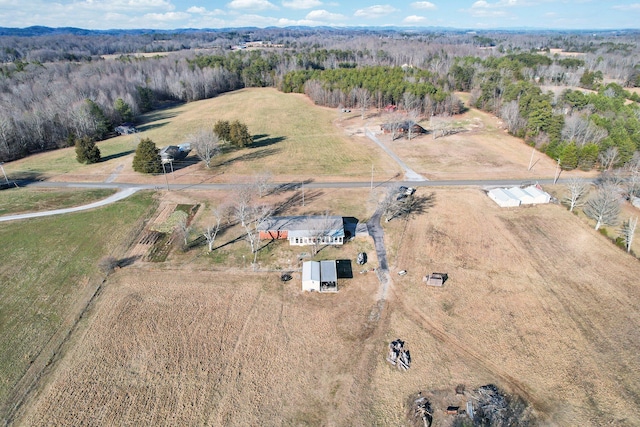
(390, 108)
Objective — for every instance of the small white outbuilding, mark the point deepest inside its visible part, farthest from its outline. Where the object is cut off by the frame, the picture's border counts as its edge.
(503, 197)
(311, 276)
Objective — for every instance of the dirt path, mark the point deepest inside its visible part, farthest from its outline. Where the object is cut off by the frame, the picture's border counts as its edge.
(409, 174)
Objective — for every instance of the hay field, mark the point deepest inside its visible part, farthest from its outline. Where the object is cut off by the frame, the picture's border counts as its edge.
(537, 303)
(202, 348)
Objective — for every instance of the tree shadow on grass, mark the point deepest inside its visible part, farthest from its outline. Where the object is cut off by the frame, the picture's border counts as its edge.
(263, 140)
(252, 155)
(151, 126)
(116, 155)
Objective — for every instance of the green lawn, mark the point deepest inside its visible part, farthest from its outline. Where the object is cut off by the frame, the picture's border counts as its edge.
(46, 262)
(18, 200)
(292, 137)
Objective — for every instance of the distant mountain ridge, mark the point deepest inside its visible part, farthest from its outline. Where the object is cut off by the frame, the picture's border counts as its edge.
(39, 30)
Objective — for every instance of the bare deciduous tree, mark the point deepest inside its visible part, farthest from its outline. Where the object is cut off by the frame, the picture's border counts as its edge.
(320, 232)
(184, 230)
(580, 130)
(396, 203)
(412, 120)
(608, 158)
(576, 190)
(250, 214)
(628, 231)
(604, 206)
(632, 170)
(206, 144)
(263, 184)
(211, 231)
(510, 113)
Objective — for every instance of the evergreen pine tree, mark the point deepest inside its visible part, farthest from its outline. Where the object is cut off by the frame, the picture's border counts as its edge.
(147, 159)
(87, 151)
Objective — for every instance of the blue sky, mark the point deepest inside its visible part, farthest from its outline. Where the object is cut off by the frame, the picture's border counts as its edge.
(171, 14)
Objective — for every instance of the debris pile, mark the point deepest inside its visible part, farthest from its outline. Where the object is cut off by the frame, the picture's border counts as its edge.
(422, 410)
(496, 408)
(398, 355)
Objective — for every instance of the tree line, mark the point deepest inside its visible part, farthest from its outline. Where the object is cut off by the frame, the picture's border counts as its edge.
(46, 105)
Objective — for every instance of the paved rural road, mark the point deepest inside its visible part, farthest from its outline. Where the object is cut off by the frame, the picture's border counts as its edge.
(130, 188)
(114, 198)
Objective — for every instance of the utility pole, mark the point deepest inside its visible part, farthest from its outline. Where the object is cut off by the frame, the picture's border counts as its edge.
(4, 173)
(531, 160)
(371, 176)
(164, 172)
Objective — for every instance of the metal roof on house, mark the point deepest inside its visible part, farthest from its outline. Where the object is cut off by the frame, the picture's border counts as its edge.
(301, 225)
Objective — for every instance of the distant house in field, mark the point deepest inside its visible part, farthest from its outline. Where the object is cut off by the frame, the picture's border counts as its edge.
(402, 128)
(516, 196)
(126, 129)
(304, 230)
(175, 152)
(321, 276)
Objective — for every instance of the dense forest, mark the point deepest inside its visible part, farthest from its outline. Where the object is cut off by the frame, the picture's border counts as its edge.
(568, 93)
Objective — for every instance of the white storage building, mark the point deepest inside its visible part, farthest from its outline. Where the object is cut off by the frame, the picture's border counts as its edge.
(503, 197)
(516, 196)
(320, 276)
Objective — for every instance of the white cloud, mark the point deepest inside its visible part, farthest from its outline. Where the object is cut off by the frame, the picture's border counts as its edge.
(196, 9)
(502, 3)
(377, 11)
(632, 6)
(128, 5)
(204, 11)
(423, 5)
(414, 19)
(166, 17)
(301, 4)
(252, 4)
(323, 15)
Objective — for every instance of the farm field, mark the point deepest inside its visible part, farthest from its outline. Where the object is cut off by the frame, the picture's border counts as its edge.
(50, 270)
(530, 305)
(17, 200)
(537, 302)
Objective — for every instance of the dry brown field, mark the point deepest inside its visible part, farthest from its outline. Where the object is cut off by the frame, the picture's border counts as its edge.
(537, 302)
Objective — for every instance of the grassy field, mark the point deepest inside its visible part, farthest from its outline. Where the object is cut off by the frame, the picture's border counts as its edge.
(18, 200)
(294, 140)
(48, 265)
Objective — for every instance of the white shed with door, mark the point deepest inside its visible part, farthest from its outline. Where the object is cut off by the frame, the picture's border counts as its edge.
(311, 276)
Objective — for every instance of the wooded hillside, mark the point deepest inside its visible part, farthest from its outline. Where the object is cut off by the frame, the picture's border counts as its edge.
(55, 88)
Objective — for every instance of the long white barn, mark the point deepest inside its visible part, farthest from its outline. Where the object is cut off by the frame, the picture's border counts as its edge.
(516, 196)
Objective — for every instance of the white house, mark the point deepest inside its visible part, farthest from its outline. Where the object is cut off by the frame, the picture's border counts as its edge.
(304, 230)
